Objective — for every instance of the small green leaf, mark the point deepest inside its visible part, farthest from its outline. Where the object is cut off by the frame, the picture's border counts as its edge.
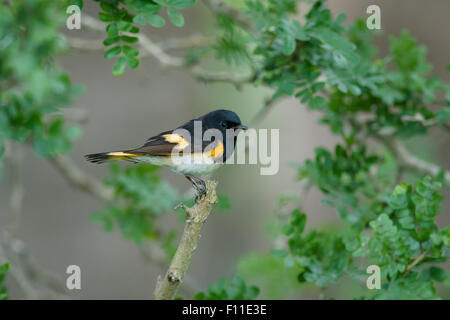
(112, 30)
(105, 17)
(317, 102)
(130, 51)
(119, 66)
(112, 52)
(132, 62)
(288, 45)
(124, 26)
(156, 21)
(181, 4)
(129, 39)
(106, 7)
(78, 3)
(177, 4)
(140, 19)
(175, 17)
(109, 41)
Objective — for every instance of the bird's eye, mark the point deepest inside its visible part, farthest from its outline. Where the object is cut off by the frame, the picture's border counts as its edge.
(223, 124)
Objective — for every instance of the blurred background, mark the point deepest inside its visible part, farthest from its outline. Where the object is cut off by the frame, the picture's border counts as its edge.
(124, 111)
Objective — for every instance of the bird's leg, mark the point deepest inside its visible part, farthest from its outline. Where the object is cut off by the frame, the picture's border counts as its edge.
(199, 185)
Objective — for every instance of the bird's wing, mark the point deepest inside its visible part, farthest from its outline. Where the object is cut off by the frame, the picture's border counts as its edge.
(166, 143)
(163, 144)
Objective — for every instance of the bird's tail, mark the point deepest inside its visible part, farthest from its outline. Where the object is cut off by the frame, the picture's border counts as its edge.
(107, 156)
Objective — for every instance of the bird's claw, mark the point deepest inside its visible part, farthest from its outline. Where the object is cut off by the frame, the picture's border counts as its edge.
(201, 195)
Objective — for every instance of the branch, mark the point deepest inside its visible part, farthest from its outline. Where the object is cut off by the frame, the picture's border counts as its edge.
(81, 180)
(15, 160)
(153, 254)
(416, 261)
(27, 272)
(156, 50)
(77, 178)
(24, 270)
(409, 161)
(268, 104)
(188, 42)
(196, 216)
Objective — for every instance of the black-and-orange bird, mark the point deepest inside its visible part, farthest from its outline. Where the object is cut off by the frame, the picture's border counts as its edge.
(185, 151)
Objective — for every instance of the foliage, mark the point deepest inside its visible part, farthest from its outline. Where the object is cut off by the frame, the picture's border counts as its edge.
(122, 17)
(142, 196)
(3, 271)
(402, 231)
(236, 289)
(331, 67)
(32, 86)
(269, 274)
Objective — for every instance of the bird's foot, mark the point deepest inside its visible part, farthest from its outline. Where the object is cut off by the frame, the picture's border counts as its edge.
(200, 196)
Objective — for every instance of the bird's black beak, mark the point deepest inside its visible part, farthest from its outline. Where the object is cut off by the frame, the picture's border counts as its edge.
(241, 126)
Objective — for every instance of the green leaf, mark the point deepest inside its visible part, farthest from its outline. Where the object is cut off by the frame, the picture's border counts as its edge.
(112, 30)
(130, 51)
(132, 62)
(177, 4)
(106, 7)
(140, 19)
(78, 3)
(112, 52)
(109, 41)
(156, 21)
(175, 17)
(181, 4)
(105, 17)
(438, 274)
(124, 26)
(317, 102)
(337, 42)
(119, 66)
(129, 39)
(288, 45)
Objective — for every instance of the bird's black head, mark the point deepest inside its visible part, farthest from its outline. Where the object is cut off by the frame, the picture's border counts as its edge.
(222, 120)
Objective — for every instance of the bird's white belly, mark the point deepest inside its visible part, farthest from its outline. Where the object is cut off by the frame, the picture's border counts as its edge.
(194, 165)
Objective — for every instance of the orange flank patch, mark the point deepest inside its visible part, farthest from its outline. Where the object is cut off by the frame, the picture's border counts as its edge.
(176, 138)
(217, 151)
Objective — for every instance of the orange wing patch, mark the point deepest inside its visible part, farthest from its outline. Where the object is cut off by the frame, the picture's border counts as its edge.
(176, 138)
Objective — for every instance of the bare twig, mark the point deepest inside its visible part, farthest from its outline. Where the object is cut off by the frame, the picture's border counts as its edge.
(28, 289)
(238, 80)
(409, 161)
(27, 273)
(187, 42)
(363, 118)
(81, 180)
(24, 270)
(268, 104)
(196, 216)
(156, 50)
(77, 178)
(416, 261)
(85, 44)
(15, 160)
(153, 254)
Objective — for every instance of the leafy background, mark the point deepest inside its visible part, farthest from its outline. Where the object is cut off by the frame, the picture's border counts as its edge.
(124, 111)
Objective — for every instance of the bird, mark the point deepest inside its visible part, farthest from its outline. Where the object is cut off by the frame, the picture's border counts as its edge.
(184, 151)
